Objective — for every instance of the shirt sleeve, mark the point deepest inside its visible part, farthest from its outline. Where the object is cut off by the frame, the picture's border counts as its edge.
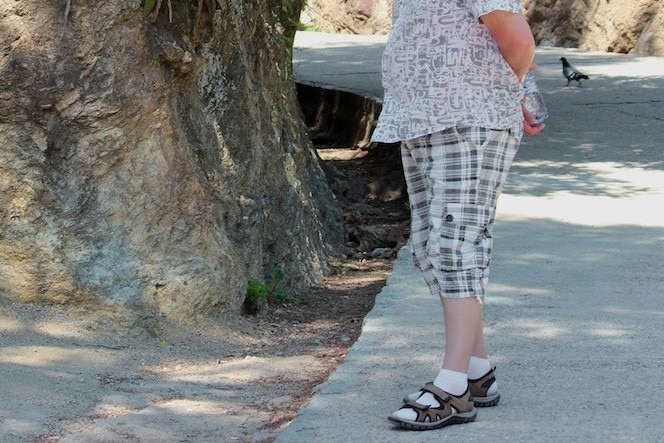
(481, 7)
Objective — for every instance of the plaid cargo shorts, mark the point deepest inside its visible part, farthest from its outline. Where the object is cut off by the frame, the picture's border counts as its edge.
(454, 178)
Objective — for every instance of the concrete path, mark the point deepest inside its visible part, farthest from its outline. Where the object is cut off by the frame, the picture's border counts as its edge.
(575, 312)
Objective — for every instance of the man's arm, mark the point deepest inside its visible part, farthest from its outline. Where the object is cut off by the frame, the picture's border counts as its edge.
(514, 37)
(516, 43)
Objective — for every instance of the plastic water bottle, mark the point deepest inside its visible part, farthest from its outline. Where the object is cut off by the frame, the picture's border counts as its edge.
(534, 102)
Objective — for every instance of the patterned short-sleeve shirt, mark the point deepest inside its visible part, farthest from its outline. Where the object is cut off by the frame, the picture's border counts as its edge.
(442, 67)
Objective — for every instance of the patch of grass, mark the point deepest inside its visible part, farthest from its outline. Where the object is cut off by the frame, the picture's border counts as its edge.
(256, 298)
(311, 27)
(259, 291)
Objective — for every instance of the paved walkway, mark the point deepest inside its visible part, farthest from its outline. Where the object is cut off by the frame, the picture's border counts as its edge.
(575, 311)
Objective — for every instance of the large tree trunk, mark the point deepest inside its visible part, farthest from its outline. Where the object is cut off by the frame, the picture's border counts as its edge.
(154, 166)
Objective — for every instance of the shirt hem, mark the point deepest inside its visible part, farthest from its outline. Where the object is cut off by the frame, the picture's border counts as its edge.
(434, 129)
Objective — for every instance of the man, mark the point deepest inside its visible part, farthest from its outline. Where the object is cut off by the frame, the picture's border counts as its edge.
(452, 73)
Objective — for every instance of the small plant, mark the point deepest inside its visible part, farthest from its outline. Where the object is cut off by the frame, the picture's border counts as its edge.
(311, 27)
(257, 293)
(278, 293)
(276, 278)
(256, 290)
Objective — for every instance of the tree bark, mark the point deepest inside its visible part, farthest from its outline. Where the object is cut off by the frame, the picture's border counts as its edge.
(154, 167)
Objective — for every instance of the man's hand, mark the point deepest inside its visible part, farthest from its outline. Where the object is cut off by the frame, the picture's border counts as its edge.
(530, 127)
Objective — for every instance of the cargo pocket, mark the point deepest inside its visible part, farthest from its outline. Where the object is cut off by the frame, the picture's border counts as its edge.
(464, 242)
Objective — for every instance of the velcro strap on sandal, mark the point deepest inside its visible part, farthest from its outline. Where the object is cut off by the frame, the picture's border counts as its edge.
(442, 397)
(415, 405)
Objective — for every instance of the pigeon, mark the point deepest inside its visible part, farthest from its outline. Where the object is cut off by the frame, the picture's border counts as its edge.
(571, 74)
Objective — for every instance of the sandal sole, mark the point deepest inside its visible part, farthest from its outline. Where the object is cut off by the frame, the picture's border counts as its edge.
(456, 419)
(486, 402)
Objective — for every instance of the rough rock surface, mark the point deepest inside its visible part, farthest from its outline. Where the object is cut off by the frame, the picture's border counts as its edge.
(153, 166)
(627, 26)
(351, 16)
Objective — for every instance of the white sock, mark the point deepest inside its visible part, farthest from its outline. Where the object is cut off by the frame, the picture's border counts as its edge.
(451, 382)
(478, 367)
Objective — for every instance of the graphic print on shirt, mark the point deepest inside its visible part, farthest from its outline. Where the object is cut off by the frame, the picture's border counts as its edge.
(442, 67)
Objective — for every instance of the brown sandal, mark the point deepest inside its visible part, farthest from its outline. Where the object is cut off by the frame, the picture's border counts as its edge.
(452, 410)
(479, 389)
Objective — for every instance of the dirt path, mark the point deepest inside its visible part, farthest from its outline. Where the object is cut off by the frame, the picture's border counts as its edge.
(69, 376)
(70, 379)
